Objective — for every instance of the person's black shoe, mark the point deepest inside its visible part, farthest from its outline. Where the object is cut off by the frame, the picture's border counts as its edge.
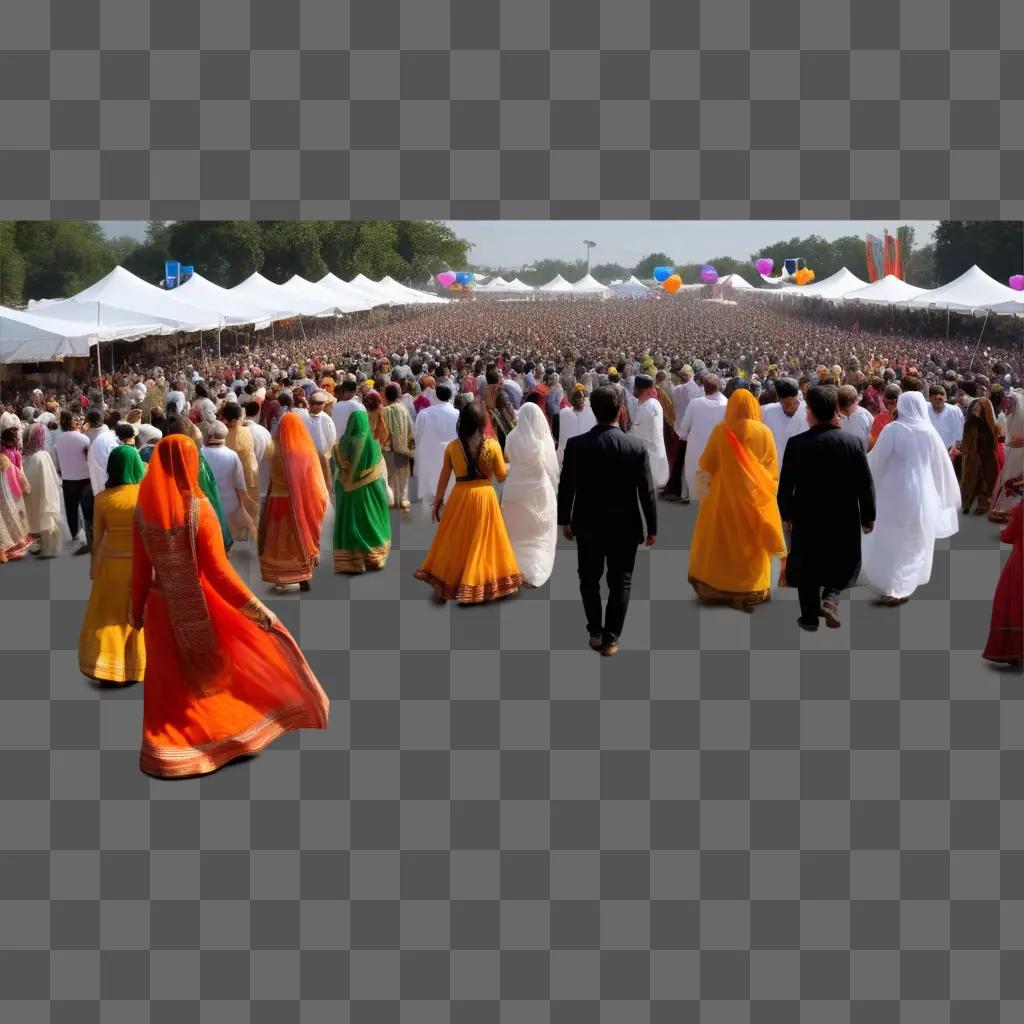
(596, 643)
(304, 585)
(811, 627)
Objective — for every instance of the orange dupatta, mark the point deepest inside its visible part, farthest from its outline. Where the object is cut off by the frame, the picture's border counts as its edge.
(307, 489)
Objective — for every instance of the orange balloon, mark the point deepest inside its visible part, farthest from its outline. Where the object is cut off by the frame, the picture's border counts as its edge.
(672, 284)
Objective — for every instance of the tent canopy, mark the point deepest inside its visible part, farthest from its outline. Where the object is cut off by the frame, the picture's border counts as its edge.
(518, 286)
(412, 296)
(350, 291)
(27, 338)
(317, 293)
(235, 309)
(841, 283)
(885, 291)
(735, 281)
(589, 285)
(973, 289)
(631, 288)
(556, 284)
(259, 290)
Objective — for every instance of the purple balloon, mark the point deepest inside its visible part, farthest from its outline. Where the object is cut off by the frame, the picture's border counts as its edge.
(708, 274)
(1017, 282)
(765, 265)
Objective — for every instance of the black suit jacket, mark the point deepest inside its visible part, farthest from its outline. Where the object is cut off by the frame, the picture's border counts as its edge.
(605, 482)
(825, 491)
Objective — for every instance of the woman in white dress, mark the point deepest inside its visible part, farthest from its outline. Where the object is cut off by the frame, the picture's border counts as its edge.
(1005, 499)
(917, 499)
(42, 502)
(529, 500)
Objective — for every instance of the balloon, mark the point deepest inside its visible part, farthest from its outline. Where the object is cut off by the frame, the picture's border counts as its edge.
(1017, 282)
(765, 266)
(803, 276)
(662, 274)
(708, 274)
(672, 284)
(447, 278)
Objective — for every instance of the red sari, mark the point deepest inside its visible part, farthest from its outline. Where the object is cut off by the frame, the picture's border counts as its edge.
(294, 509)
(1006, 633)
(223, 677)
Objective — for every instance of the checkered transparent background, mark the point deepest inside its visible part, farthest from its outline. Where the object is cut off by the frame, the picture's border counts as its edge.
(124, 110)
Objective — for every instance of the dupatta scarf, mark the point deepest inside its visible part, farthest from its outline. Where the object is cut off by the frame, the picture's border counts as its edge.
(357, 455)
(307, 489)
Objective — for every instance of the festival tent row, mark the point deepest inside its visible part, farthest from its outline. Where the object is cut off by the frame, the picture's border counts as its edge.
(631, 289)
(28, 338)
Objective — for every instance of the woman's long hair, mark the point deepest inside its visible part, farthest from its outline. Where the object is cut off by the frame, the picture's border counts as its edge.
(470, 432)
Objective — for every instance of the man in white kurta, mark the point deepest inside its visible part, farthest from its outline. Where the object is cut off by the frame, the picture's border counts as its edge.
(649, 426)
(787, 417)
(947, 419)
(102, 445)
(576, 420)
(701, 417)
(344, 407)
(226, 467)
(262, 445)
(434, 429)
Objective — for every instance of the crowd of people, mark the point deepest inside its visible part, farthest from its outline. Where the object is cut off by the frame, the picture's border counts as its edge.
(843, 450)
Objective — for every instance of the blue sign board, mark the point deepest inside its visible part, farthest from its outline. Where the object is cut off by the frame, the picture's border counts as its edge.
(172, 273)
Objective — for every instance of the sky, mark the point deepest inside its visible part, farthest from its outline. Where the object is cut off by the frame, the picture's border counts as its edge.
(513, 243)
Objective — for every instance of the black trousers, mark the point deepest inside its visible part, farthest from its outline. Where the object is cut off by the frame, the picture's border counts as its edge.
(78, 492)
(592, 556)
(811, 595)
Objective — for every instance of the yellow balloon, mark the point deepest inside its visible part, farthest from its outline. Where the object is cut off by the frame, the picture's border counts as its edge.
(672, 284)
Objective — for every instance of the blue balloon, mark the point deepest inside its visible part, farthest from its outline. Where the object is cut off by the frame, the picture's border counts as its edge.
(662, 274)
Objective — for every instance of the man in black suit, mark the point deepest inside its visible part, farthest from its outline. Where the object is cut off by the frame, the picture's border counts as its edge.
(827, 499)
(605, 482)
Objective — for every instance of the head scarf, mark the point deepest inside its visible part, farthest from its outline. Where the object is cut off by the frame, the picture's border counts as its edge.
(125, 466)
(357, 454)
(36, 438)
(171, 483)
(529, 446)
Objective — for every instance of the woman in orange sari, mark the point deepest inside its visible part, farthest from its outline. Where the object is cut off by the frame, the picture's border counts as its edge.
(223, 677)
(738, 528)
(294, 508)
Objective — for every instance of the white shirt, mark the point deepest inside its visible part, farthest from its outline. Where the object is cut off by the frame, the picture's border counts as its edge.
(99, 454)
(649, 426)
(701, 417)
(72, 450)
(435, 427)
(321, 429)
(571, 424)
(260, 445)
(343, 408)
(784, 427)
(682, 396)
(226, 467)
(949, 423)
(410, 404)
(859, 424)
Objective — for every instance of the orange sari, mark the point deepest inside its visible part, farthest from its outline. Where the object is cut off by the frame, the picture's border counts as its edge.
(223, 677)
(738, 528)
(294, 509)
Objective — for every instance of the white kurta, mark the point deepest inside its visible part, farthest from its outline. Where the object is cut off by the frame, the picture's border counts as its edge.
(859, 424)
(529, 498)
(321, 428)
(434, 429)
(682, 396)
(260, 445)
(226, 467)
(917, 498)
(949, 423)
(783, 427)
(702, 416)
(99, 452)
(341, 412)
(42, 503)
(571, 424)
(649, 425)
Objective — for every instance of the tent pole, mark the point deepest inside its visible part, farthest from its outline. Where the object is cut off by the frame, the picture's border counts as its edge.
(218, 337)
(980, 336)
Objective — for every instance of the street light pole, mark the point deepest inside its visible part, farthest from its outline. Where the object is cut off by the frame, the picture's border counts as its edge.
(590, 245)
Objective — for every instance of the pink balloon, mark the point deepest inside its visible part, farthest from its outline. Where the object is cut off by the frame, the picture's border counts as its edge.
(447, 278)
(765, 266)
(1017, 282)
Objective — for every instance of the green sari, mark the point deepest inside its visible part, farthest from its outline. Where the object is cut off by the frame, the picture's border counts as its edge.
(362, 521)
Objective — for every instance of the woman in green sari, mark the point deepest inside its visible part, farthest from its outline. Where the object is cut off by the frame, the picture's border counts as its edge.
(362, 524)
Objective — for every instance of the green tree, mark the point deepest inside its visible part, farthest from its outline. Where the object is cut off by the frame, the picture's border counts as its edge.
(147, 259)
(225, 252)
(608, 272)
(428, 247)
(12, 267)
(292, 247)
(644, 270)
(544, 270)
(338, 241)
(995, 246)
(376, 253)
(61, 257)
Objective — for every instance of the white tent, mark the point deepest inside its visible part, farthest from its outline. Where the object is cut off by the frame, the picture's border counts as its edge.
(735, 281)
(1013, 307)
(497, 284)
(518, 286)
(317, 293)
(259, 290)
(973, 289)
(235, 309)
(841, 283)
(557, 284)
(121, 299)
(375, 290)
(589, 285)
(349, 291)
(631, 288)
(27, 338)
(885, 291)
(413, 296)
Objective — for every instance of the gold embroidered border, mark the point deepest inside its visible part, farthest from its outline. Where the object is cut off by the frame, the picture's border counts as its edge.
(472, 593)
(738, 599)
(351, 561)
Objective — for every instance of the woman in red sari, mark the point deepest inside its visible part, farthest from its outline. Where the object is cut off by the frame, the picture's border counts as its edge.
(294, 508)
(1006, 633)
(223, 677)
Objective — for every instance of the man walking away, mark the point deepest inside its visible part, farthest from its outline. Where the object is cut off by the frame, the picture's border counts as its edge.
(826, 499)
(605, 483)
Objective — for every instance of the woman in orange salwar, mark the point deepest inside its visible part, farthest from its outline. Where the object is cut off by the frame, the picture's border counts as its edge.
(223, 677)
(738, 528)
(471, 559)
(294, 508)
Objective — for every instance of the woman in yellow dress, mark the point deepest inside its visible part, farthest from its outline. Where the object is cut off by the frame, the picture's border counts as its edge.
(109, 649)
(471, 559)
(738, 528)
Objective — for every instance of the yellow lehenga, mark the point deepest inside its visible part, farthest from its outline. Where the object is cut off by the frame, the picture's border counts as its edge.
(109, 649)
(471, 559)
